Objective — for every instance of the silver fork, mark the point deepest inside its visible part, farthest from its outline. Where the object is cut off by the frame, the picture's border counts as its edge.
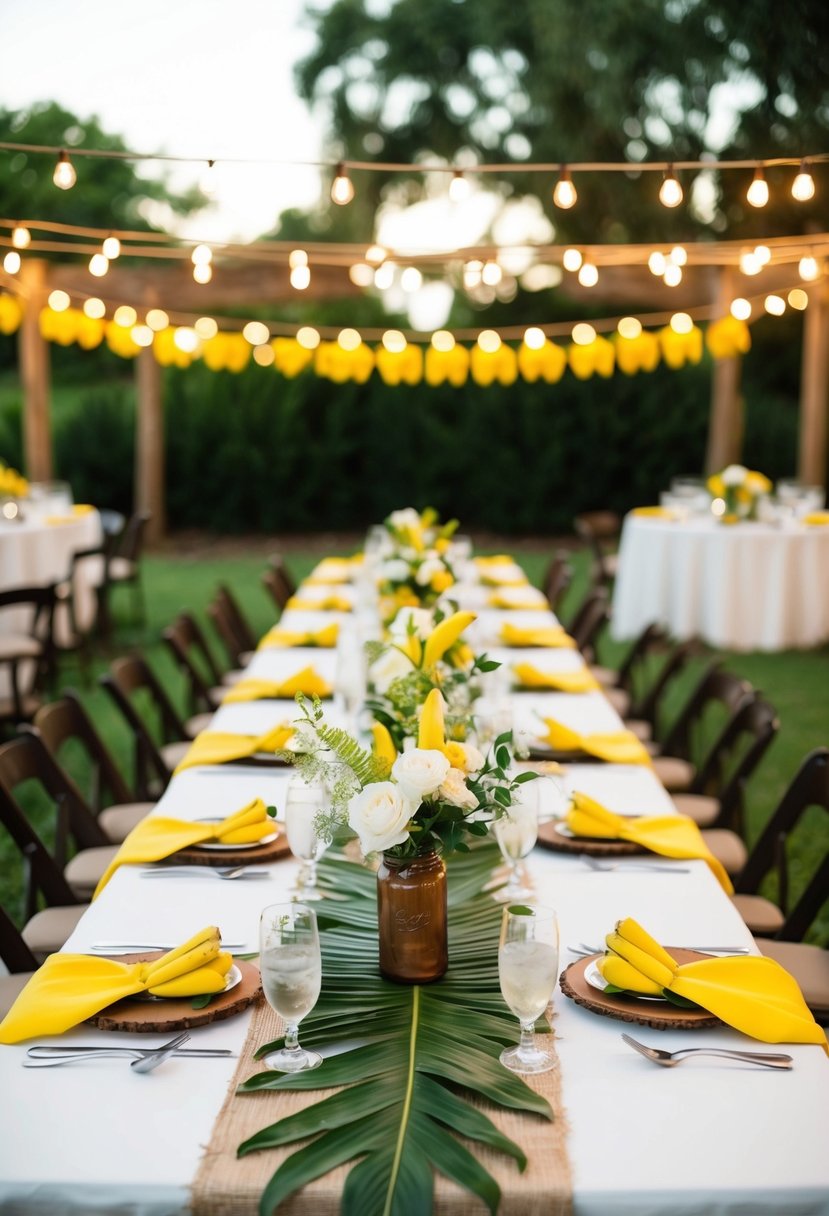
(669, 1059)
(41, 1051)
(605, 867)
(205, 872)
(153, 1058)
(147, 1059)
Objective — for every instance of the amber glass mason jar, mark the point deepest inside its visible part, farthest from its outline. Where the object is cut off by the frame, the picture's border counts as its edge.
(411, 913)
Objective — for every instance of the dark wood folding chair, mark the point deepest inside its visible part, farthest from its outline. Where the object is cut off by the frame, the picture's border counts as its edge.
(600, 530)
(27, 653)
(236, 641)
(242, 628)
(202, 696)
(557, 579)
(125, 562)
(276, 587)
(684, 748)
(590, 619)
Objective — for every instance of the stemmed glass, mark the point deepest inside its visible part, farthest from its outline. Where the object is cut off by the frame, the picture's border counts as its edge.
(303, 803)
(528, 969)
(516, 832)
(289, 958)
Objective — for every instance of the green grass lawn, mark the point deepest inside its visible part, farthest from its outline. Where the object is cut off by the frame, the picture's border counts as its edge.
(796, 682)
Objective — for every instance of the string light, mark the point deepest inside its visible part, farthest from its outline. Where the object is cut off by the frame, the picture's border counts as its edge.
(21, 237)
(94, 308)
(681, 323)
(186, 339)
(443, 341)
(207, 184)
(203, 273)
(348, 339)
(749, 263)
(763, 254)
(798, 299)
(64, 176)
(679, 255)
(361, 274)
(264, 355)
(157, 319)
(202, 255)
(205, 327)
(256, 332)
(491, 274)
(411, 279)
(394, 342)
(98, 265)
(111, 248)
(775, 305)
(535, 338)
(565, 193)
(342, 187)
(758, 192)
(740, 309)
(583, 334)
(803, 186)
(384, 276)
(489, 341)
(571, 260)
(59, 301)
(376, 255)
(300, 277)
(629, 327)
(673, 275)
(588, 274)
(307, 337)
(670, 192)
(142, 335)
(125, 315)
(808, 269)
(11, 262)
(657, 263)
(459, 188)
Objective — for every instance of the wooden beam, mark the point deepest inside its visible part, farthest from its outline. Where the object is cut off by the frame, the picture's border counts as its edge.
(33, 352)
(814, 388)
(726, 421)
(149, 444)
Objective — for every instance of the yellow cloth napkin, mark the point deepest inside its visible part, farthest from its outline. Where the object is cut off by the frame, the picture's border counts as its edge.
(617, 747)
(328, 603)
(755, 995)
(326, 637)
(220, 747)
(332, 570)
(496, 559)
(496, 578)
(157, 837)
(69, 988)
(816, 519)
(82, 508)
(654, 512)
(668, 835)
(551, 636)
(516, 603)
(581, 680)
(253, 689)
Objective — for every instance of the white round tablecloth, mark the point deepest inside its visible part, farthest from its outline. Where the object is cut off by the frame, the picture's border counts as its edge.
(747, 586)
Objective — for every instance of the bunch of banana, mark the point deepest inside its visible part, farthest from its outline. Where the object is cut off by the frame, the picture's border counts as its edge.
(197, 967)
(635, 961)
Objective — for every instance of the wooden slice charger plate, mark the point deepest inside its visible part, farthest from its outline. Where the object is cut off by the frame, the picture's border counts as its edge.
(660, 1015)
(151, 1017)
(258, 855)
(551, 838)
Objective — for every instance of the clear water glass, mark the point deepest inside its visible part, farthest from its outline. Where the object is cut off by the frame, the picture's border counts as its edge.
(516, 832)
(291, 966)
(528, 970)
(303, 803)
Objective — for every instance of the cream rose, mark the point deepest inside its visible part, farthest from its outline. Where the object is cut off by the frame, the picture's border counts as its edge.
(420, 772)
(734, 475)
(427, 570)
(406, 518)
(388, 668)
(394, 571)
(379, 815)
(454, 790)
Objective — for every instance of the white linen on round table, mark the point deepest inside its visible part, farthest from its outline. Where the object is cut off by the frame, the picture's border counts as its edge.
(746, 586)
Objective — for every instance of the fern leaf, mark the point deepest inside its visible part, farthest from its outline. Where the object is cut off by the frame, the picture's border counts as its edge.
(365, 766)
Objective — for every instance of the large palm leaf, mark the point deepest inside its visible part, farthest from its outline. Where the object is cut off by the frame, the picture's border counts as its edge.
(417, 1045)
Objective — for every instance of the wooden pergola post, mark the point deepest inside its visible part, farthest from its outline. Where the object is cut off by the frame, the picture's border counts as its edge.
(726, 421)
(149, 443)
(33, 352)
(814, 388)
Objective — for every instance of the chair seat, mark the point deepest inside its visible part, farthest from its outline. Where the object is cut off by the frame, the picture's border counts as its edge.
(674, 773)
(699, 807)
(639, 727)
(233, 677)
(763, 918)
(619, 699)
(122, 570)
(199, 722)
(810, 967)
(606, 676)
(47, 931)
(118, 821)
(610, 561)
(10, 988)
(727, 847)
(217, 695)
(85, 870)
(19, 646)
(173, 753)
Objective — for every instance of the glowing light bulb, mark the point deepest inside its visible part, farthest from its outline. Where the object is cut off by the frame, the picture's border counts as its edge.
(583, 334)
(629, 327)
(798, 299)
(681, 323)
(679, 255)
(411, 279)
(775, 305)
(443, 341)
(361, 274)
(64, 176)
(758, 192)
(808, 269)
(256, 333)
(94, 308)
(186, 339)
(491, 274)
(202, 255)
(588, 274)
(673, 275)
(571, 260)
(203, 273)
(111, 248)
(342, 187)
(59, 301)
(384, 276)
(98, 265)
(264, 355)
(459, 188)
(21, 237)
(534, 338)
(125, 316)
(740, 309)
(750, 263)
(375, 254)
(763, 254)
(803, 186)
(394, 342)
(657, 262)
(348, 339)
(11, 262)
(142, 335)
(205, 327)
(670, 192)
(300, 277)
(489, 341)
(565, 194)
(308, 338)
(157, 319)
(297, 257)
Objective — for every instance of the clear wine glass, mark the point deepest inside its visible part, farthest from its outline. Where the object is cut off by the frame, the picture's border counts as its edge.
(528, 970)
(516, 832)
(303, 803)
(291, 967)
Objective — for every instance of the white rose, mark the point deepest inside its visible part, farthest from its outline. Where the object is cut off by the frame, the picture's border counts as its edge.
(420, 772)
(427, 570)
(734, 475)
(388, 668)
(394, 571)
(421, 619)
(454, 789)
(379, 815)
(406, 518)
(473, 759)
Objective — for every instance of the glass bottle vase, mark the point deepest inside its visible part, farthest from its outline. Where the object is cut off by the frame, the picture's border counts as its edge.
(411, 913)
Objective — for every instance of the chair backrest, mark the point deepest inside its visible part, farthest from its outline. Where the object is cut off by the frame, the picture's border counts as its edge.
(280, 567)
(241, 627)
(131, 541)
(809, 788)
(733, 757)
(715, 687)
(13, 950)
(25, 759)
(98, 576)
(178, 639)
(217, 613)
(64, 721)
(192, 634)
(276, 587)
(647, 702)
(112, 522)
(41, 601)
(124, 678)
(651, 640)
(600, 530)
(557, 579)
(589, 620)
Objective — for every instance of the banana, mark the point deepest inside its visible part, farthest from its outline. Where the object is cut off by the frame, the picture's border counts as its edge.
(194, 983)
(430, 733)
(649, 966)
(445, 635)
(222, 962)
(633, 932)
(163, 970)
(622, 974)
(383, 745)
(209, 934)
(275, 739)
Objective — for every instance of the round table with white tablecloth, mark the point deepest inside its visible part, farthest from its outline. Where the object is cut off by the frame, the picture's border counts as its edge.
(745, 586)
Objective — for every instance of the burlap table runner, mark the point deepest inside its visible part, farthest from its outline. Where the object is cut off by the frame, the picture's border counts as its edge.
(228, 1186)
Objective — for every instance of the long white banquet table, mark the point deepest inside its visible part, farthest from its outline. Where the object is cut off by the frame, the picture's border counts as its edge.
(747, 586)
(710, 1137)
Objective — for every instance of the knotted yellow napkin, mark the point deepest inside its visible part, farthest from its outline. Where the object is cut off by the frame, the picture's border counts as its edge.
(617, 747)
(551, 636)
(516, 603)
(157, 837)
(332, 570)
(668, 835)
(80, 508)
(327, 603)
(69, 988)
(495, 559)
(220, 747)
(499, 578)
(654, 512)
(816, 519)
(253, 689)
(756, 996)
(323, 638)
(581, 680)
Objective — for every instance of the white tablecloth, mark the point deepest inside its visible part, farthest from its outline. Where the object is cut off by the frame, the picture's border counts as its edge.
(746, 586)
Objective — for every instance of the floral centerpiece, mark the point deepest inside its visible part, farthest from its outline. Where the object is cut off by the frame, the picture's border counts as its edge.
(415, 569)
(12, 483)
(740, 490)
